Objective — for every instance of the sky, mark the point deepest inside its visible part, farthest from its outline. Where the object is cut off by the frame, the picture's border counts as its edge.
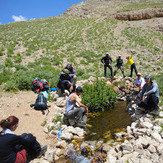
(22, 10)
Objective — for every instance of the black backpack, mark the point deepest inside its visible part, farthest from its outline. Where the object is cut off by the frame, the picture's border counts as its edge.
(39, 85)
(41, 103)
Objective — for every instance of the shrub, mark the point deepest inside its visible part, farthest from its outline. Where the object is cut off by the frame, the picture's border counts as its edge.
(10, 86)
(98, 96)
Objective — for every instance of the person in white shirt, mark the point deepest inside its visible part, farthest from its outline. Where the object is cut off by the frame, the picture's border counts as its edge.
(139, 82)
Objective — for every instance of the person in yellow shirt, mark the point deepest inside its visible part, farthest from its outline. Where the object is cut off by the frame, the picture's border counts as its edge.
(131, 63)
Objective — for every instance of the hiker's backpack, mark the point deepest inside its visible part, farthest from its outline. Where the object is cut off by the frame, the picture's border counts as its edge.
(41, 103)
(39, 85)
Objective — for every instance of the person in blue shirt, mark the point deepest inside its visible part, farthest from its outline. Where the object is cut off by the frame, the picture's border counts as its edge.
(65, 81)
(76, 114)
(17, 148)
(149, 97)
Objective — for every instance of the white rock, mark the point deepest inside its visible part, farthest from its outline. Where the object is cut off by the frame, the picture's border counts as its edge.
(61, 144)
(160, 149)
(161, 114)
(154, 157)
(146, 125)
(111, 159)
(157, 128)
(61, 101)
(66, 136)
(59, 152)
(144, 160)
(152, 149)
(157, 137)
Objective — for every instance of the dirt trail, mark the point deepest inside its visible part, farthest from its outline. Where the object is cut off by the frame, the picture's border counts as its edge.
(30, 120)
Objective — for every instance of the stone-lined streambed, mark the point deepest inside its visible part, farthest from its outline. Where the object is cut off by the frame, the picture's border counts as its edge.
(105, 124)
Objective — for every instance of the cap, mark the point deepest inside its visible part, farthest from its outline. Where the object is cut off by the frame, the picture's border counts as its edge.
(107, 53)
(147, 76)
(65, 71)
(119, 55)
(138, 74)
(79, 89)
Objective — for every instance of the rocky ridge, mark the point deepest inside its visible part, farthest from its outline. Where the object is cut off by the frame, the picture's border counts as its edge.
(115, 9)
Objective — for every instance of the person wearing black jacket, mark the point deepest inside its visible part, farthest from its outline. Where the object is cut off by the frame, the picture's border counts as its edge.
(65, 82)
(119, 65)
(106, 62)
(17, 148)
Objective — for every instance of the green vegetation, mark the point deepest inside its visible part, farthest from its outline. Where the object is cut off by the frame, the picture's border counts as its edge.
(42, 47)
(44, 123)
(143, 5)
(98, 96)
(57, 118)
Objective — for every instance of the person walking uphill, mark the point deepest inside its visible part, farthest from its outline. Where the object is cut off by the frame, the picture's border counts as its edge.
(119, 65)
(107, 61)
(131, 63)
(17, 149)
(149, 97)
(77, 116)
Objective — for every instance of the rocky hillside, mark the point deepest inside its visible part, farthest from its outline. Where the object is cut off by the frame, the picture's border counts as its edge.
(122, 10)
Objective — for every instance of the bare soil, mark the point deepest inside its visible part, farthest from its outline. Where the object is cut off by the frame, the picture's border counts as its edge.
(30, 120)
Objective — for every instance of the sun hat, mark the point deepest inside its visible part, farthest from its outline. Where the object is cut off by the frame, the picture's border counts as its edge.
(138, 74)
(65, 71)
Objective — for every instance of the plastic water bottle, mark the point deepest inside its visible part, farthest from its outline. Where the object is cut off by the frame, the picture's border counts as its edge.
(59, 133)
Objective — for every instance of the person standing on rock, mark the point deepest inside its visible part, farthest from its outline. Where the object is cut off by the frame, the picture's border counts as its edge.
(131, 63)
(15, 148)
(77, 116)
(106, 61)
(119, 65)
(149, 97)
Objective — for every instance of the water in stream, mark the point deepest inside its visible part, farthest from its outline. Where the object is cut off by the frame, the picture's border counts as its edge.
(103, 127)
(106, 124)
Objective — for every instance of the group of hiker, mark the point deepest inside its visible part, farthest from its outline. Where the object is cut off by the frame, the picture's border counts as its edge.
(107, 61)
(25, 147)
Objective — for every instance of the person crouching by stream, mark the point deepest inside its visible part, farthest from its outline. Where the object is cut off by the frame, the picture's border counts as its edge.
(17, 149)
(149, 97)
(74, 115)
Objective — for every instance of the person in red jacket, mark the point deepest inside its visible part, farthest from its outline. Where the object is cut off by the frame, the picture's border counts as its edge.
(15, 148)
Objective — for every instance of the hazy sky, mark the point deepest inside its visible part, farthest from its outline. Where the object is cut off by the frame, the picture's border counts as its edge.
(20, 10)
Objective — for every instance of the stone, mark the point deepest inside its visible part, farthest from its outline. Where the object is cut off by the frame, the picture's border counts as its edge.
(49, 156)
(66, 136)
(146, 125)
(161, 114)
(129, 129)
(61, 144)
(152, 149)
(157, 137)
(160, 149)
(61, 101)
(110, 158)
(59, 152)
(144, 160)
(154, 157)
(157, 128)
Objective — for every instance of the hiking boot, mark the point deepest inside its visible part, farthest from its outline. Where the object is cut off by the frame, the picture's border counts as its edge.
(155, 112)
(42, 152)
(142, 109)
